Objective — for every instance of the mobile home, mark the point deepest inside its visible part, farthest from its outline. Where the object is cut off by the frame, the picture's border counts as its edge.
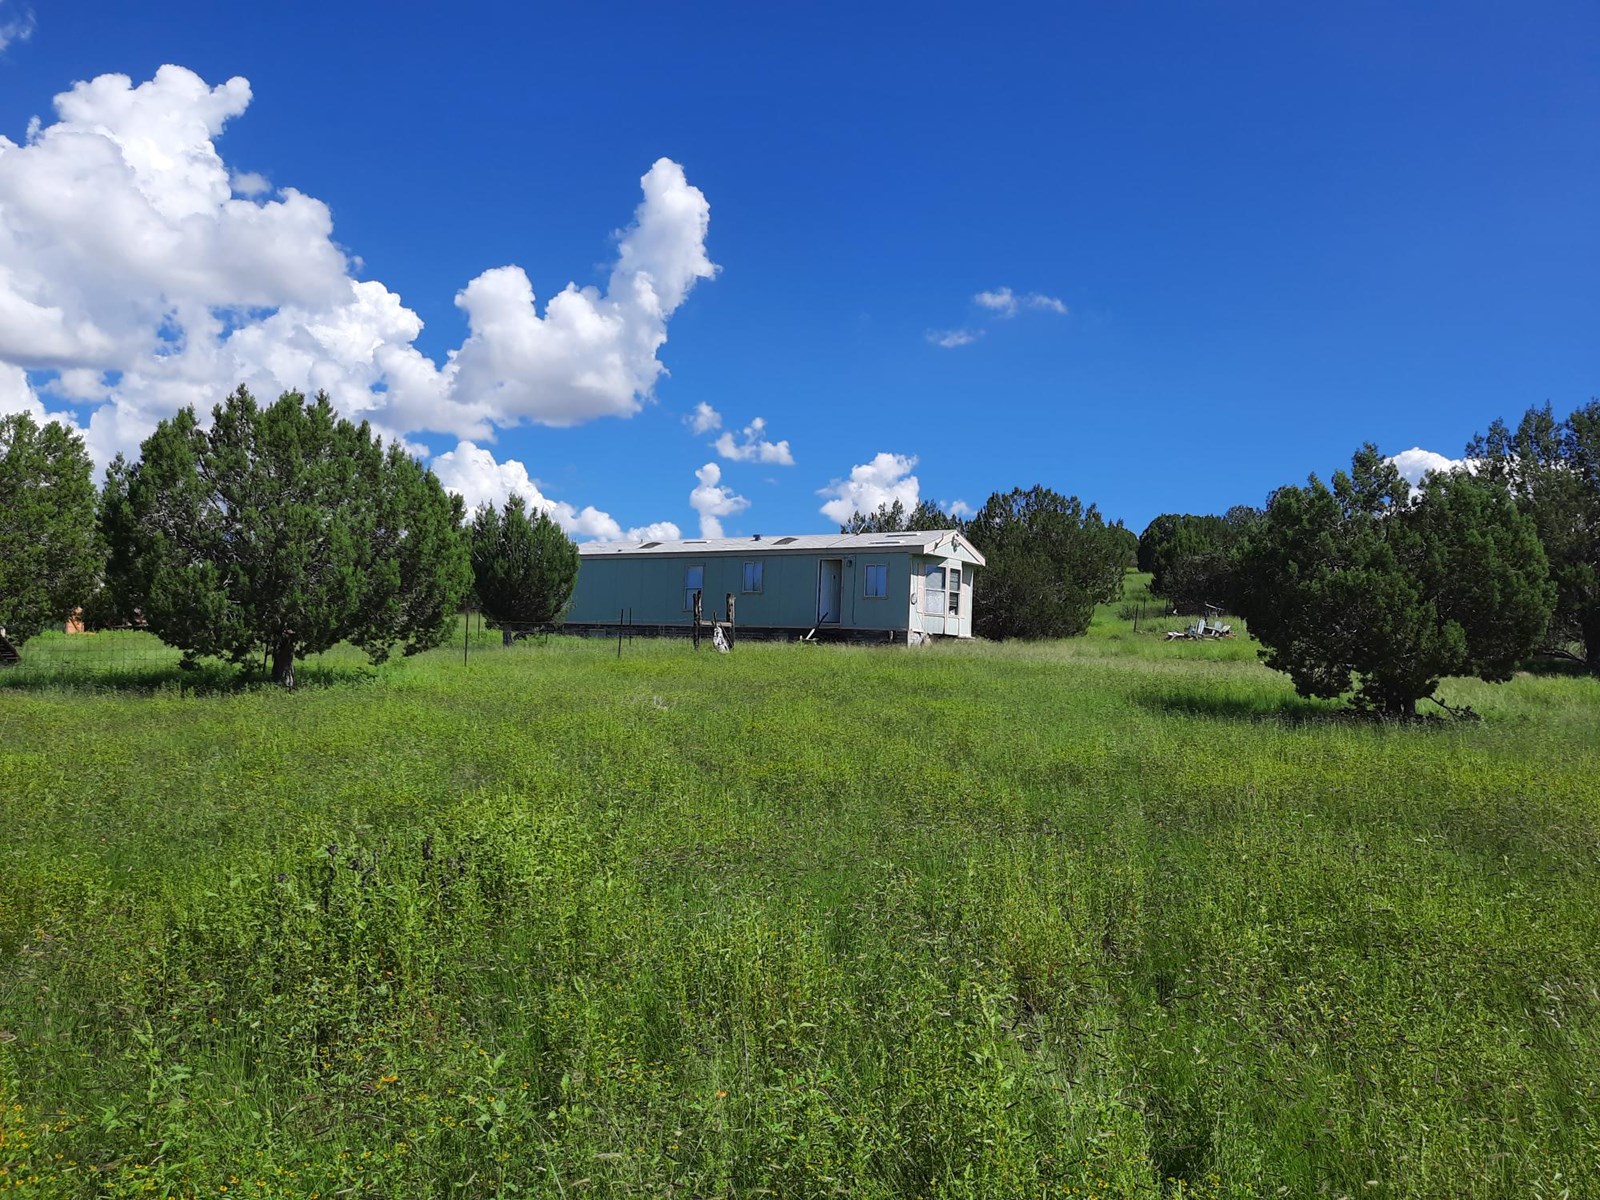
(902, 587)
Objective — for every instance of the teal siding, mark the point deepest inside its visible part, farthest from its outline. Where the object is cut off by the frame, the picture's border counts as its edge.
(653, 587)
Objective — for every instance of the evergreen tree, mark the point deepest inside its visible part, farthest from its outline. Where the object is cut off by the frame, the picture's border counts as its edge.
(1357, 587)
(929, 516)
(283, 529)
(891, 517)
(1553, 471)
(1192, 562)
(1129, 541)
(1155, 535)
(888, 517)
(1050, 562)
(523, 569)
(49, 553)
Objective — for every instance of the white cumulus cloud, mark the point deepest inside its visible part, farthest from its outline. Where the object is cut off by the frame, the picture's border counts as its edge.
(703, 419)
(17, 396)
(712, 501)
(753, 446)
(140, 273)
(472, 473)
(871, 485)
(657, 531)
(949, 339)
(591, 354)
(250, 183)
(1416, 462)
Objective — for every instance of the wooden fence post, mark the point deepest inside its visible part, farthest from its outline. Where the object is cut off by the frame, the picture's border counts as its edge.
(698, 611)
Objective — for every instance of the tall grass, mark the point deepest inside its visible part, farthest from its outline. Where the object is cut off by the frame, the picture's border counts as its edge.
(1108, 917)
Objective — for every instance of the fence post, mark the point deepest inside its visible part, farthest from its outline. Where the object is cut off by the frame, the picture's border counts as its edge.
(621, 612)
(699, 610)
(730, 620)
(466, 635)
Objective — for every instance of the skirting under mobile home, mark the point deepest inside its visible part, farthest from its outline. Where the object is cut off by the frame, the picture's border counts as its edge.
(902, 587)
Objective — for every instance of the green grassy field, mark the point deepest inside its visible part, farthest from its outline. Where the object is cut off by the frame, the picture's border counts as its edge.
(1109, 917)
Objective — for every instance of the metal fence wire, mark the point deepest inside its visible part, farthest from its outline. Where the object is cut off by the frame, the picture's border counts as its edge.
(135, 658)
(112, 655)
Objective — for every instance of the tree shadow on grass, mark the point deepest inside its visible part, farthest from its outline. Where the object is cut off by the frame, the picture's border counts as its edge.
(209, 678)
(1231, 705)
(1555, 667)
(1287, 710)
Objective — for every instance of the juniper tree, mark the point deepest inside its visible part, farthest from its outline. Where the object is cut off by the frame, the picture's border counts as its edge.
(1050, 561)
(524, 569)
(1359, 588)
(1155, 535)
(282, 530)
(1192, 557)
(49, 553)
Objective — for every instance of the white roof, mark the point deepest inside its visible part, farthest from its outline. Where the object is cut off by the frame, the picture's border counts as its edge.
(946, 542)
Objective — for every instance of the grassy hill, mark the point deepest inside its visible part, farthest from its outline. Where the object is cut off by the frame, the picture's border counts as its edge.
(1110, 917)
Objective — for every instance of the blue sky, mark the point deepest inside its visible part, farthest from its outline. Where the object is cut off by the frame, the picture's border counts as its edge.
(1275, 232)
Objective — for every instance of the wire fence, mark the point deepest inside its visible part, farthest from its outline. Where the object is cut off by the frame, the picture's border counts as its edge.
(111, 656)
(136, 660)
(479, 636)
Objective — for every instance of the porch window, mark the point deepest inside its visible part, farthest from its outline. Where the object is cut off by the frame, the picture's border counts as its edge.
(876, 581)
(954, 603)
(933, 591)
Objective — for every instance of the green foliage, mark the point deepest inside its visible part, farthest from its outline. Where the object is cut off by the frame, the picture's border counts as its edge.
(1155, 535)
(50, 556)
(1358, 581)
(891, 517)
(1192, 558)
(1128, 541)
(523, 569)
(283, 529)
(1050, 561)
(1553, 471)
(1177, 934)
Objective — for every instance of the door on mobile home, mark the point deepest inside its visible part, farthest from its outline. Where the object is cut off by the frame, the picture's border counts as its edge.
(830, 591)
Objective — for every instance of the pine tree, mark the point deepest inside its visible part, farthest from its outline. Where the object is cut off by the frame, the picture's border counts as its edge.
(891, 517)
(1553, 472)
